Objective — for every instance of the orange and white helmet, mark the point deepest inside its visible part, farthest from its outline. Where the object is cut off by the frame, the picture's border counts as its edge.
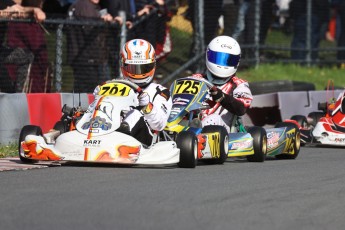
(138, 61)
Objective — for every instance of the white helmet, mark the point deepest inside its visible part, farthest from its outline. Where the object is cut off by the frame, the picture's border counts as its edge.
(138, 61)
(223, 56)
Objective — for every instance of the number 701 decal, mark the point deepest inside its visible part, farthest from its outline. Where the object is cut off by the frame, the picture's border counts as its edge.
(114, 89)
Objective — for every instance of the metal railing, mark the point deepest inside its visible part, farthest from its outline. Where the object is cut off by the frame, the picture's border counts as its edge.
(179, 60)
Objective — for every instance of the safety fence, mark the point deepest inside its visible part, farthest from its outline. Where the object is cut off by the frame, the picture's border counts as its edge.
(44, 58)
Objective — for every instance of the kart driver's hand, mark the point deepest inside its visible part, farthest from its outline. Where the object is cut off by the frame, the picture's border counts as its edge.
(144, 99)
(96, 90)
(217, 94)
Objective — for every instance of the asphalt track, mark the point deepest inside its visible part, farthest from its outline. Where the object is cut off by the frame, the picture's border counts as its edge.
(306, 193)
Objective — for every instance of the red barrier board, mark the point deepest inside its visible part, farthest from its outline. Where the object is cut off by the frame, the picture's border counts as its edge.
(44, 109)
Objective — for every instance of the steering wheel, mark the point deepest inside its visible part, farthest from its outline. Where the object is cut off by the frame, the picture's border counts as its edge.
(134, 86)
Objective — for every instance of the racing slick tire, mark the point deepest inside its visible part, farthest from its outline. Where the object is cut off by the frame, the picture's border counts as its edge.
(315, 117)
(259, 142)
(301, 120)
(61, 126)
(187, 142)
(296, 141)
(27, 130)
(224, 143)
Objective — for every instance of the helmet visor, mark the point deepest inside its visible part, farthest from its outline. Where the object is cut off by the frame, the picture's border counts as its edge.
(138, 69)
(223, 59)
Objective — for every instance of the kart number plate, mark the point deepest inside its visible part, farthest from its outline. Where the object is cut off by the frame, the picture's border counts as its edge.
(187, 87)
(114, 89)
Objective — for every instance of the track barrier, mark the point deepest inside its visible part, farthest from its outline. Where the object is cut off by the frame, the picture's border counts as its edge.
(44, 110)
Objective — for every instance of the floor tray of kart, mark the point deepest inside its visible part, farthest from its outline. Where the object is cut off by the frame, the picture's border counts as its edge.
(94, 136)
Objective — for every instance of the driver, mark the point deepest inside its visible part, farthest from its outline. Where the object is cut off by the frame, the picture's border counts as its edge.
(230, 94)
(138, 65)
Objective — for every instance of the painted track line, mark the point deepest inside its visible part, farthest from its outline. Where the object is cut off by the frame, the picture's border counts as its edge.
(14, 163)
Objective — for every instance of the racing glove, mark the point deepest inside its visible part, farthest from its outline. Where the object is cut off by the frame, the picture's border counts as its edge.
(144, 102)
(96, 90)
(144, 99)
(217, 94)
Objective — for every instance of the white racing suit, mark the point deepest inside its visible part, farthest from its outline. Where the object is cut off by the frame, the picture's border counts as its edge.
(237, 99)
(142, 125)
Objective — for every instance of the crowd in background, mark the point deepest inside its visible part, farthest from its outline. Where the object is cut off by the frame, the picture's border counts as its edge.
(93, 54)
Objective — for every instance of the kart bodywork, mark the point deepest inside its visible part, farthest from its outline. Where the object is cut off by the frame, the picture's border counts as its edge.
(190, 96)
(327, 126)
(93, 135)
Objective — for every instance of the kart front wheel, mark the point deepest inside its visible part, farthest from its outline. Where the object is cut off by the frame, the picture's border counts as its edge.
(295, 147)
(27, 130)
(186, 141)
(315, 117)
(259, 142)
(223, 143)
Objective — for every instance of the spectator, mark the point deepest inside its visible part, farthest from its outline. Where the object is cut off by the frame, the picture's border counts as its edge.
(86, 47)
(154, 27)
(57, 8)
(114, 7)
(241, 22)
(245, 28)
(212, 12)
(9, 5)
(18, 56)
(230, 11)
(19, 60)
(31, 36)
(11, 9)
(319, 17)
(340, 9)
(113, 41)
(149, 28)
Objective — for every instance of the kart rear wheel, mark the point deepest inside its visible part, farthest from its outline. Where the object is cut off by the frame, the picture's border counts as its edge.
(301, 120)
(224, 143)
(187, 142)
(27, 130)
(259, 142)
(296, 145)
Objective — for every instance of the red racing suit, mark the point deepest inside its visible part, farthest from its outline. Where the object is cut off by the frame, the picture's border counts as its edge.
(237, 98)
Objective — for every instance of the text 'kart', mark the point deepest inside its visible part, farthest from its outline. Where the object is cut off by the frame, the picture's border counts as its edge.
(93, 136)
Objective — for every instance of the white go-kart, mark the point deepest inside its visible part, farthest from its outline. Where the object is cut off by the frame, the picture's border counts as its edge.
(93, 136)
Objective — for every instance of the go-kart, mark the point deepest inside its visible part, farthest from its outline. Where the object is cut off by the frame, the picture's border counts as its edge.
(93, 135)
(190, 96)
(327, 126)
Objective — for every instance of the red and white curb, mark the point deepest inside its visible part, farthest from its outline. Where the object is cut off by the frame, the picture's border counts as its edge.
(14, 163)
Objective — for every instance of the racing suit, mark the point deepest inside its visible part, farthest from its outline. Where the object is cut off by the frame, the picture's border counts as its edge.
(232, 98)
(140, 122)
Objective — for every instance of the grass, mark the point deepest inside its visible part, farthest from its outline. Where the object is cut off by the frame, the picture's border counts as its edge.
(10, 150)
(316, 75)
